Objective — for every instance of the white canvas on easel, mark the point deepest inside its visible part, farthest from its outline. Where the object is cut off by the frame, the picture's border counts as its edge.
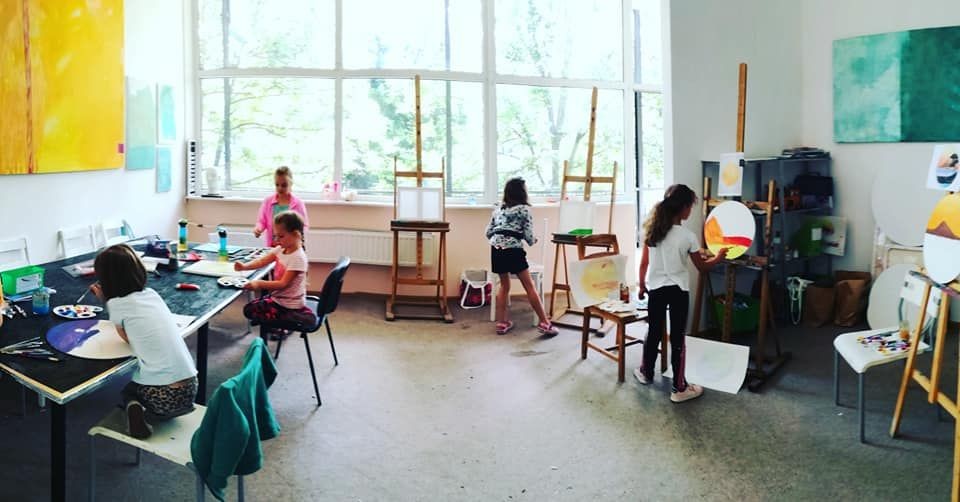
(576, 215)
(419, 204)
(730, 175)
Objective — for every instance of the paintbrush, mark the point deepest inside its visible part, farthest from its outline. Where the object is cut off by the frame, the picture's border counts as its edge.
(84, 295)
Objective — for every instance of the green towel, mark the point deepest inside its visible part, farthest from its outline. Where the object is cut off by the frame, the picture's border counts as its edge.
(238, 417)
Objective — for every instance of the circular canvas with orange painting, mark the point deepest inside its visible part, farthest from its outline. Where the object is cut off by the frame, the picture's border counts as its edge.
(730, 225)
(941, 243)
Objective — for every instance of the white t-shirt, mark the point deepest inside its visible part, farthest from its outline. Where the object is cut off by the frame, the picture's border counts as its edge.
(294, 295)
(154, 338)
(668, 260)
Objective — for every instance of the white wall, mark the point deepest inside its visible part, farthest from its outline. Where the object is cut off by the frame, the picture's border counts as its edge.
(855, 164)
(708, 40)
(37, 205)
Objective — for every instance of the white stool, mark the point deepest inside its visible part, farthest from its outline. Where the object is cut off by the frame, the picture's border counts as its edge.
(882, 311)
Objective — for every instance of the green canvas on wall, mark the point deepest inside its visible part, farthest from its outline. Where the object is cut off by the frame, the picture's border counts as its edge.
(902, 86)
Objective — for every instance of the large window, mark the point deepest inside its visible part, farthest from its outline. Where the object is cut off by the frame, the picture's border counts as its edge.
(505, 91)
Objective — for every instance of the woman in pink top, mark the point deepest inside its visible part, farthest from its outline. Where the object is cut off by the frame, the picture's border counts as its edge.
(274, 204)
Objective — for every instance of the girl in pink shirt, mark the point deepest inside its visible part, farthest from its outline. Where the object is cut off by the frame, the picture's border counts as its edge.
(274, 204)
(285, 305)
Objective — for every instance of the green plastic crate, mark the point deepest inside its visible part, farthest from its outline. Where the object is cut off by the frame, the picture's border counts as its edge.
(746, 311)
(21, 280)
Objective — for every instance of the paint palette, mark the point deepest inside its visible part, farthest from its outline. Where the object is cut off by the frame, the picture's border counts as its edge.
(888, 344)
(233, 282)
(77, 311)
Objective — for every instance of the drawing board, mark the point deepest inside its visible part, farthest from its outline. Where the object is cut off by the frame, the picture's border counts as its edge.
(596, 280)
(419, 204)
(730, 175)
(213, 268)
(730, 225)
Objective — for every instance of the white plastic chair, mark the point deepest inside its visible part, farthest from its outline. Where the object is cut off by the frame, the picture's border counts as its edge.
(861, 358)
(14, 253)
(112, 232)
(536, 273)
(76, 240)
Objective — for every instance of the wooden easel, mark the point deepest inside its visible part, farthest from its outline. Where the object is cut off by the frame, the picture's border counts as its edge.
(931, 384)
(562, 240)
(761, 370)
(439, 299)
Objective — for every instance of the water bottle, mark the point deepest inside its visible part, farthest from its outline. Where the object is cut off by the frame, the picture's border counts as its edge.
(222, 232)
(182, 243)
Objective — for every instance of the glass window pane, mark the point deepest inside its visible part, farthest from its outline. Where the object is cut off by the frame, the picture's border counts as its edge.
(266, 33)
(647, 43)
(650, 198)
(412, 34)
(651, 134)
(559, 38)
(378, 124)
(540, 127)
(268, 122)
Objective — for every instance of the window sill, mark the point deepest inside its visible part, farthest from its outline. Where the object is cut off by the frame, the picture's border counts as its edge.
(379, 203)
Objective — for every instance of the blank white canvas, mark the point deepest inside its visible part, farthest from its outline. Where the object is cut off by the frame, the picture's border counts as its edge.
(419, 204)
(216, 269)
(715, 365)
(576, 214)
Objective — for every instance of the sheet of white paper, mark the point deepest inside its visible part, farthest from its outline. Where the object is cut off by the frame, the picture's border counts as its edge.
(216, 269)
(730, 175)
(715, 365)
(430, 204)
(408, 201)
(595, 280)
(944, 168)
(183, 320)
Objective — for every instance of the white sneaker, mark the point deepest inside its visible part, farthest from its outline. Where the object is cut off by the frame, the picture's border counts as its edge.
(641, 377)
(692, 391)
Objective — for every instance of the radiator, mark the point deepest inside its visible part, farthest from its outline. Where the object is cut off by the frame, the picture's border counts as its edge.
(372, 247)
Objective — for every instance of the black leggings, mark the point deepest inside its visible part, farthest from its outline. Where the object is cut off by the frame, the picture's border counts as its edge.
(678, 301)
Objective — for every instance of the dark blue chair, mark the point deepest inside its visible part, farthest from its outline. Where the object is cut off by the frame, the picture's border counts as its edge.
(323, 305)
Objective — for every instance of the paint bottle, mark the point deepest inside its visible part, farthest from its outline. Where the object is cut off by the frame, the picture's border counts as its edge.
(624, 293)
(222, 232)
(182, 242)
(904, 330)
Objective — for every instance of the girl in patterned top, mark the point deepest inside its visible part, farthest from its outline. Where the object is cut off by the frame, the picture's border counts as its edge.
(511, 225)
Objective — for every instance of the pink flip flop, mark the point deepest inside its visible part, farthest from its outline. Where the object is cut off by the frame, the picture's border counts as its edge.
(504, 327)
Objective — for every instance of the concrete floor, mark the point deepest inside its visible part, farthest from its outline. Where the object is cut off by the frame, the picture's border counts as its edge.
(420, 410)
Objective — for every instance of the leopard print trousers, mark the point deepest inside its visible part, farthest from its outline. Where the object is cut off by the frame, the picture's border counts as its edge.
(163, 401)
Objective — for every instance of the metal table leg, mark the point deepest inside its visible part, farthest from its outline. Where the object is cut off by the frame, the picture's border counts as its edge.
(202, 337)
(58, 452)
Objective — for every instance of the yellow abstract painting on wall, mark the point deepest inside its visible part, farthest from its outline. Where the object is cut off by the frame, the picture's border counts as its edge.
(61, 85)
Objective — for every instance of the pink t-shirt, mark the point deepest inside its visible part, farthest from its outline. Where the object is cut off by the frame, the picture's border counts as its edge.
(292, 296)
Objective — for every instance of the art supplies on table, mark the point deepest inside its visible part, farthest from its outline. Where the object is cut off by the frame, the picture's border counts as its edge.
(32, 348)
(213, 268)
(77, 311)
(22, 280)
(82, 269)
(213, 247)
(89, 339)
(233, 282)
(187, 286)
(248, 254)
(619, 307)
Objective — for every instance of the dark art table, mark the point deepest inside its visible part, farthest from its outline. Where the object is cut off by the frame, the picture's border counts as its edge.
(72, 378)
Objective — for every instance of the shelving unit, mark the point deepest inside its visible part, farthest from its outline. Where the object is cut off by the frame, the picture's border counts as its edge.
(783, 262)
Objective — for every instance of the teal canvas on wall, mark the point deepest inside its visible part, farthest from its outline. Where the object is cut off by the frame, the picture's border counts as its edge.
(902, 86)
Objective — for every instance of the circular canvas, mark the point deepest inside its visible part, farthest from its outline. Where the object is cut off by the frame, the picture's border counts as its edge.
(89, 339)
(730, 225)
(941, 242)
(901, 202)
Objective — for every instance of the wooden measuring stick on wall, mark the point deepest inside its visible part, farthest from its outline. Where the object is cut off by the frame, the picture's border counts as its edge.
(741, 105)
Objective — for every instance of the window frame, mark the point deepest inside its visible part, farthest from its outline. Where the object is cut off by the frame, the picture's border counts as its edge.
(488, 77)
